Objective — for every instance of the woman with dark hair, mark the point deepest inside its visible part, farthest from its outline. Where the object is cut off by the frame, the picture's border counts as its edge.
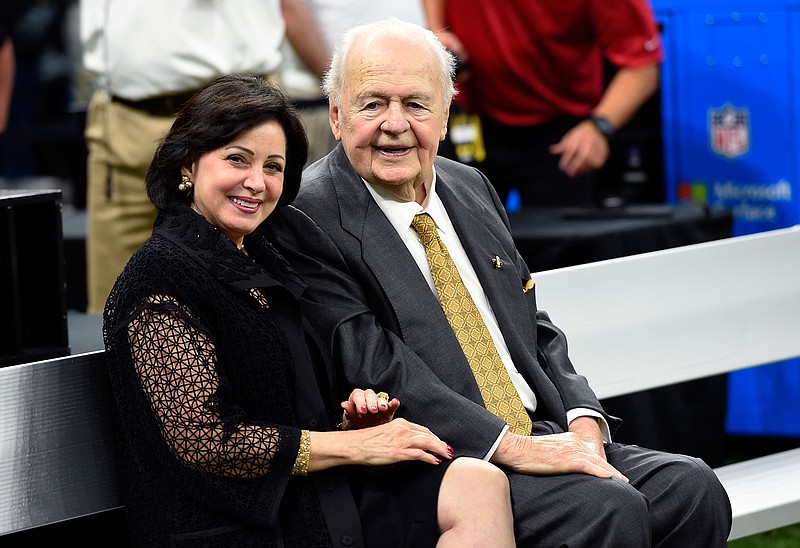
(226, 396)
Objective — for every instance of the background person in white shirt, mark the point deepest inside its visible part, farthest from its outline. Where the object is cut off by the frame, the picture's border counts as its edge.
(148, 57)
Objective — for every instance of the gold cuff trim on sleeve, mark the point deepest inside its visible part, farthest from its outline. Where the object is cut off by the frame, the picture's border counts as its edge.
(300, 467)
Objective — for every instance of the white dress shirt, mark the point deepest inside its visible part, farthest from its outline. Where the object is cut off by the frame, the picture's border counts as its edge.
(147, 48)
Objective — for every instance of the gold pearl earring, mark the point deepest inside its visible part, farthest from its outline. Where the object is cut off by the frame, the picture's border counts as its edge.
(186, 183)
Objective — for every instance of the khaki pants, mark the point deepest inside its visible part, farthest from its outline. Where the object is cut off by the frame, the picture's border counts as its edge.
(121, 143)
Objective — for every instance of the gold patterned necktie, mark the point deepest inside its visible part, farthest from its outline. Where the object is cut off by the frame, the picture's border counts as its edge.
(499, 394)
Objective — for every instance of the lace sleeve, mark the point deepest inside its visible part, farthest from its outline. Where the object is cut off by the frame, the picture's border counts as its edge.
(176, 364)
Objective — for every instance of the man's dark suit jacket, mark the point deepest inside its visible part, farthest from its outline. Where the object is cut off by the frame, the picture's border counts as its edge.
(384, 325)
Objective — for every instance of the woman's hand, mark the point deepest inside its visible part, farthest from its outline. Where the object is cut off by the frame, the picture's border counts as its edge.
(365, 408)
(400, 440)
(395, 441)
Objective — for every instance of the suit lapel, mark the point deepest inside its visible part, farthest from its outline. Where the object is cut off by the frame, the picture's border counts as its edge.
(382, 249)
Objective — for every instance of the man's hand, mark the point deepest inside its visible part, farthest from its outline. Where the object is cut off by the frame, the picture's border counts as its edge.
(553, 454)
(583, 149)
(589, 432)
(365, 408)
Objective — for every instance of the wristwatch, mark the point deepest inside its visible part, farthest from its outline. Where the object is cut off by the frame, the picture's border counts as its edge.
(603, 125)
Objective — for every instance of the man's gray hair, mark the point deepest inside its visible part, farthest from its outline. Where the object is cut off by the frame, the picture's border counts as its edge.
(333, 83)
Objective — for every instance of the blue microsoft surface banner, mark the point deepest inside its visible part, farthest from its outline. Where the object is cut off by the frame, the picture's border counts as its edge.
(731, 117)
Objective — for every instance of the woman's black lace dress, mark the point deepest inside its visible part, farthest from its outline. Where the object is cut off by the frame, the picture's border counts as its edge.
(202, 345)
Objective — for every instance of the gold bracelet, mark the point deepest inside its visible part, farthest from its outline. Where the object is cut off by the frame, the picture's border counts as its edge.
(300, 467)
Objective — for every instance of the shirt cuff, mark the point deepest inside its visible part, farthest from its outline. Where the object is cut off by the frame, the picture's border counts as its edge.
(496, 444)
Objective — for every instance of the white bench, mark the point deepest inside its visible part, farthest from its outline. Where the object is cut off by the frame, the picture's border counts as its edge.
(666, 317)
(729, 304)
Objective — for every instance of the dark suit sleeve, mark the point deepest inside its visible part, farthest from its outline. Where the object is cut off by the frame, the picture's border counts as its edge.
(351, 314)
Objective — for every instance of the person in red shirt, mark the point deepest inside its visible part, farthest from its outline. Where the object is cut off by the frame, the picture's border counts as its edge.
(7, 69)
(541, 113)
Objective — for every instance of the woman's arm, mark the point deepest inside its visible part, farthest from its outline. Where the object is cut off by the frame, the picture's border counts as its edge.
(176, 364)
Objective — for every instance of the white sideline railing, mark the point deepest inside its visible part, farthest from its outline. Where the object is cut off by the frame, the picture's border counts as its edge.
(633, 323)
(669, 316)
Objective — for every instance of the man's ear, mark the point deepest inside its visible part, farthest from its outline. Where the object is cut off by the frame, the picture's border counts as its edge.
(334, 120)
(443, 132)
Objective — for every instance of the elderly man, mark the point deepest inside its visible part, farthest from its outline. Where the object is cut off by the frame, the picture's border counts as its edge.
(417, 285)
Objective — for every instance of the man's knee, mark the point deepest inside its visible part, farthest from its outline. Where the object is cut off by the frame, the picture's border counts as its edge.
(687, 503)
(582, 510)
(704, 499)
(694, 479)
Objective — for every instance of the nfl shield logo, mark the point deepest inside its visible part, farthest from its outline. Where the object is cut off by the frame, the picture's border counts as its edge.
(729, 131)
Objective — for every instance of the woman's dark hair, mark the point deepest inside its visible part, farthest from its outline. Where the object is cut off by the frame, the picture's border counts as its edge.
(215, 116)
